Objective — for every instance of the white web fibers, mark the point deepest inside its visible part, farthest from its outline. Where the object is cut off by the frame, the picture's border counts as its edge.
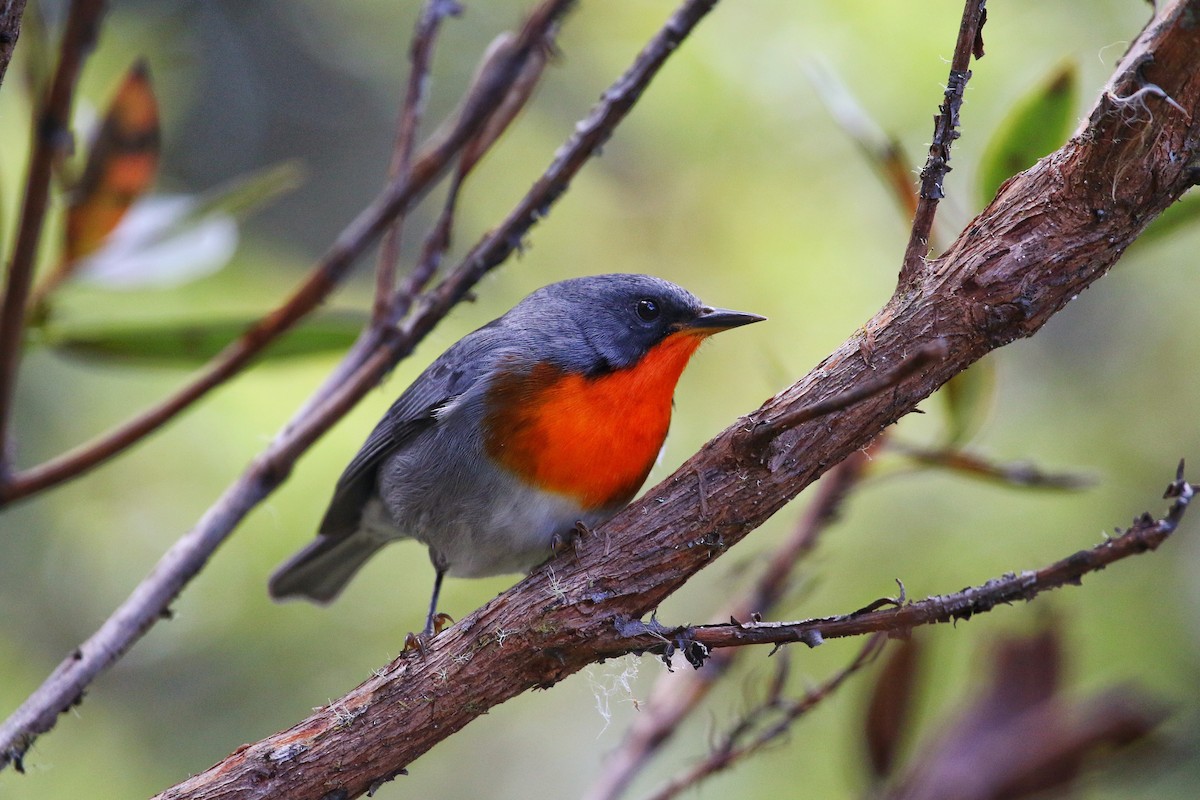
(612, 682)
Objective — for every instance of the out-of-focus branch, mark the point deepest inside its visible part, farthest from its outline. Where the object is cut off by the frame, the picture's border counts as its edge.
(420, 54)
(1025, 475)
(51, 138)
(749, 736)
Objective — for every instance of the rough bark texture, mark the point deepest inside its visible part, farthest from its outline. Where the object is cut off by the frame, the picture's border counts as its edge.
(1049, 233)
(10, 30)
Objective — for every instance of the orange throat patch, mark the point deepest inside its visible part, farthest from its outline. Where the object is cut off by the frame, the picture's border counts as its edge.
(591, 439)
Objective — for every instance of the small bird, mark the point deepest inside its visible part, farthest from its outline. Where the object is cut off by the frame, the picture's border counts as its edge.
(548, 417)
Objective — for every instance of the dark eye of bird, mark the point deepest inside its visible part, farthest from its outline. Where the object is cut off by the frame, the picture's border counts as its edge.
(647, 310)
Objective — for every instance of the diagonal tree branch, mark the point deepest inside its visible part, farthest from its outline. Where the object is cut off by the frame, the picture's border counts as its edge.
(420, 56)
(746, 739)
(1050, 232)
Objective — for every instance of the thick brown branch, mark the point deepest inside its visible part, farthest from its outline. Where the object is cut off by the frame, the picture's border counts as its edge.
(1050, 233)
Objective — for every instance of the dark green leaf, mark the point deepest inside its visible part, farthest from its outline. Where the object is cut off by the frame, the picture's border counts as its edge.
(1038, 124)
(968, 399)
(186, 344)
(1182, 214)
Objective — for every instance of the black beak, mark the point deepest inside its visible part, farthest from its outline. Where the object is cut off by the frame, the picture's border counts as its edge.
(721, 319)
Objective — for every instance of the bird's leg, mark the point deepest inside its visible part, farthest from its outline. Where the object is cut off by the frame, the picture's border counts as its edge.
(434, 621)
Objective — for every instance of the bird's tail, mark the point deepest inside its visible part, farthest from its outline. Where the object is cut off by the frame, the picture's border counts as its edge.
(320, 571)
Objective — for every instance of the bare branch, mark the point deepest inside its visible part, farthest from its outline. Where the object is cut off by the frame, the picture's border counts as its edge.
(420, 54)
(945, 131)
(51, 137)
(1018, 474)
(1145, 535)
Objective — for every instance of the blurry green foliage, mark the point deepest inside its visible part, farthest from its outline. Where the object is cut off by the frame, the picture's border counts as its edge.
(1037, 124)
(189, 344)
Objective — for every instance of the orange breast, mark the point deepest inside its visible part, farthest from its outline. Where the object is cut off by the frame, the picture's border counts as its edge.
(592, 439)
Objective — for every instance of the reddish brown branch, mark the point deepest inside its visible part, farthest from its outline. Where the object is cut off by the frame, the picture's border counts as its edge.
(945, 131)
(51, 139)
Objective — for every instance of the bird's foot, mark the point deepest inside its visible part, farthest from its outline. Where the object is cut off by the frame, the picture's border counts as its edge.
(559, 542)
(417, 642)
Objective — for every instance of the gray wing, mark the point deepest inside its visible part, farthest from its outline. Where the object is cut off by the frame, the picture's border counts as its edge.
(413, 413)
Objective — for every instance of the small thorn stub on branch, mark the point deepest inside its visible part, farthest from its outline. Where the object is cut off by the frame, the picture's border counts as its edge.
(764, 430)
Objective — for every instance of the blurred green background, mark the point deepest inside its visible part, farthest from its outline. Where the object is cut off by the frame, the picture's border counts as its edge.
(729, 178)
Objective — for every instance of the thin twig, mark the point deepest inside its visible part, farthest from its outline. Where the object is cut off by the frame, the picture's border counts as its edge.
(437, 240)
(51, 137)
(1146, 534)
(399, 196)
(1025, 475)
(184, 560)
(412, 110)
(676, 694)
(945, 131)
(733, 749)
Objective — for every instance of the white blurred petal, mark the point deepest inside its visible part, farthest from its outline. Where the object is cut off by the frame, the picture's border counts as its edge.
(157, 245)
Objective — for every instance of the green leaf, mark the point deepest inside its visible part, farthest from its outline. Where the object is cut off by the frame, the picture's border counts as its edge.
(187, 344)
(1038, 124)
(968, 399)
(1184, 213)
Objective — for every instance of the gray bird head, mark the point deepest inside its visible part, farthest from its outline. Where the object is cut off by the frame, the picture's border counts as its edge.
(609, 322)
